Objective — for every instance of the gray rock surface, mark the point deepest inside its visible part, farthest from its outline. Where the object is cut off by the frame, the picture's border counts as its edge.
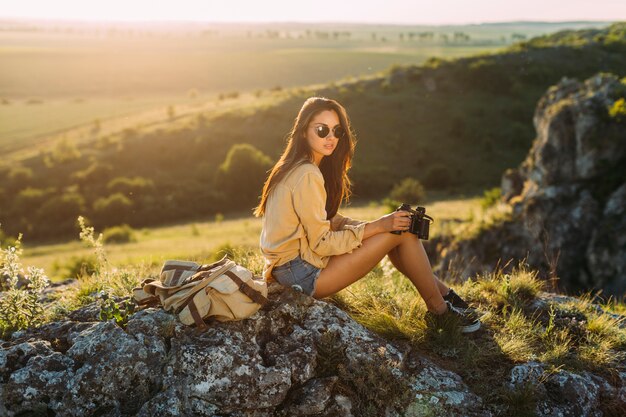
(282, 361)
(565, 393)
(567, 199)
(267, 365)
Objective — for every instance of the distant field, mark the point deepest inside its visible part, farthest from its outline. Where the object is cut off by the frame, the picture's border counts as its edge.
(58, 78)
(128, 82)
(154, 245)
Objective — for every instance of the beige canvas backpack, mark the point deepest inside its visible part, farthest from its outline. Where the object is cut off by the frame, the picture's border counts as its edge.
(223, 289)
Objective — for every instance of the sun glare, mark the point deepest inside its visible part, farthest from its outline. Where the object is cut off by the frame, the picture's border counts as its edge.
(391, 11)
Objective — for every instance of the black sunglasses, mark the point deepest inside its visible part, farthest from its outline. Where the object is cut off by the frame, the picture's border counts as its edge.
(323, 131)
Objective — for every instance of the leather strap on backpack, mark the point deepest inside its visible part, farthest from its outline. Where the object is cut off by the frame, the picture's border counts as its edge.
(254, 295)
(200, 324)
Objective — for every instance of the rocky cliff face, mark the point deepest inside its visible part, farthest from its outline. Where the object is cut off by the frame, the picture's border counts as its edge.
(568, 198)
(297, 356)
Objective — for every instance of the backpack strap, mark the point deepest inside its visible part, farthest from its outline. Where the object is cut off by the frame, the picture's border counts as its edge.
(200, 324)
(208, 267)
(254, 295)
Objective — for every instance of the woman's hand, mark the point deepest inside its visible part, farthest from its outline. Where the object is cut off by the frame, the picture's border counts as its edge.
(395, 221)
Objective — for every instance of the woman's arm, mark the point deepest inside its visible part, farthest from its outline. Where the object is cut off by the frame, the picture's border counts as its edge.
(387, 223)
(309, 201)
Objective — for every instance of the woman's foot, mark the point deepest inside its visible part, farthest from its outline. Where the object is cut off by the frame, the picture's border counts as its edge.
(467, 319)
(457, 301)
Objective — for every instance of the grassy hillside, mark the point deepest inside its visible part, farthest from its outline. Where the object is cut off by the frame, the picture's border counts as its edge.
(453, 124)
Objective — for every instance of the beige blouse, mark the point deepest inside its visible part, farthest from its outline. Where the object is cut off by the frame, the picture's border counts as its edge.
(295, 222)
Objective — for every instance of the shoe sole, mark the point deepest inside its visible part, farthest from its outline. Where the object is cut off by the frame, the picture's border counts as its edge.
(471, 328)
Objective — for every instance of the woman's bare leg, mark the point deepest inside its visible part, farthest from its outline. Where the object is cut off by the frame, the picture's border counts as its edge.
(343, 270)
(396, 260)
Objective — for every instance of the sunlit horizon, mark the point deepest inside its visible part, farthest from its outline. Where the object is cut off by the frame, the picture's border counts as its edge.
(445, 12)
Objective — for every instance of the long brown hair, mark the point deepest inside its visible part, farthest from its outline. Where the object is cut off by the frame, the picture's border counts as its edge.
(334, 167)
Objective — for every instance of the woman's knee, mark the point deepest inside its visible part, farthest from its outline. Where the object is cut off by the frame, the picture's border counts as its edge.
(407, 237)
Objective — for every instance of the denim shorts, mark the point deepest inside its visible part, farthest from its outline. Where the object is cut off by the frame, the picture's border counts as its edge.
(298, 274)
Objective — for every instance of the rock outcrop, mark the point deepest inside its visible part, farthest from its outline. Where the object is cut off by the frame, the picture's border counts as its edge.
(297, 356)
(280, 362)
(568, 198)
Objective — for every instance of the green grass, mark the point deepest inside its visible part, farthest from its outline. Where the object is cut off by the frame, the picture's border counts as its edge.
(199, 240)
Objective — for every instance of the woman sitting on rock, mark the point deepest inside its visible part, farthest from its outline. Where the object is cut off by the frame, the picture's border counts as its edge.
(308, 245)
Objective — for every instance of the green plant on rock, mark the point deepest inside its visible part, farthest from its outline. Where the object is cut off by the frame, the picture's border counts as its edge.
(119, 311)
(114, 281)
(20, 306)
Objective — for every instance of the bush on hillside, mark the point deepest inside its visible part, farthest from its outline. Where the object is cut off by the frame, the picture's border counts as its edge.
(130, 186)
(119, 234)
(30, 199)
(242, 174)
(409, 190)
(76, 266)
(95, 173)
(56, 215)
(19, 177)
(114, 209)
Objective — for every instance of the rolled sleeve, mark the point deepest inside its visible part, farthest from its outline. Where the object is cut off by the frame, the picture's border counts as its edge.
(309, 197)
(339, 222)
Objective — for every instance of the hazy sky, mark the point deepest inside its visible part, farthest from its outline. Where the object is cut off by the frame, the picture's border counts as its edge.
(386, 11)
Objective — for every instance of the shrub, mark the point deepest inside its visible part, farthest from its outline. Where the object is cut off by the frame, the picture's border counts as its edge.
(19, 177)
(490, 197)
(119, 234)
(409, 190)
(130, 186)
(242, 174)
(64, 151)
(95, 173)
(58, 213)
(112, 209)
(29, 199)
(20, 307)
(75, 267)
